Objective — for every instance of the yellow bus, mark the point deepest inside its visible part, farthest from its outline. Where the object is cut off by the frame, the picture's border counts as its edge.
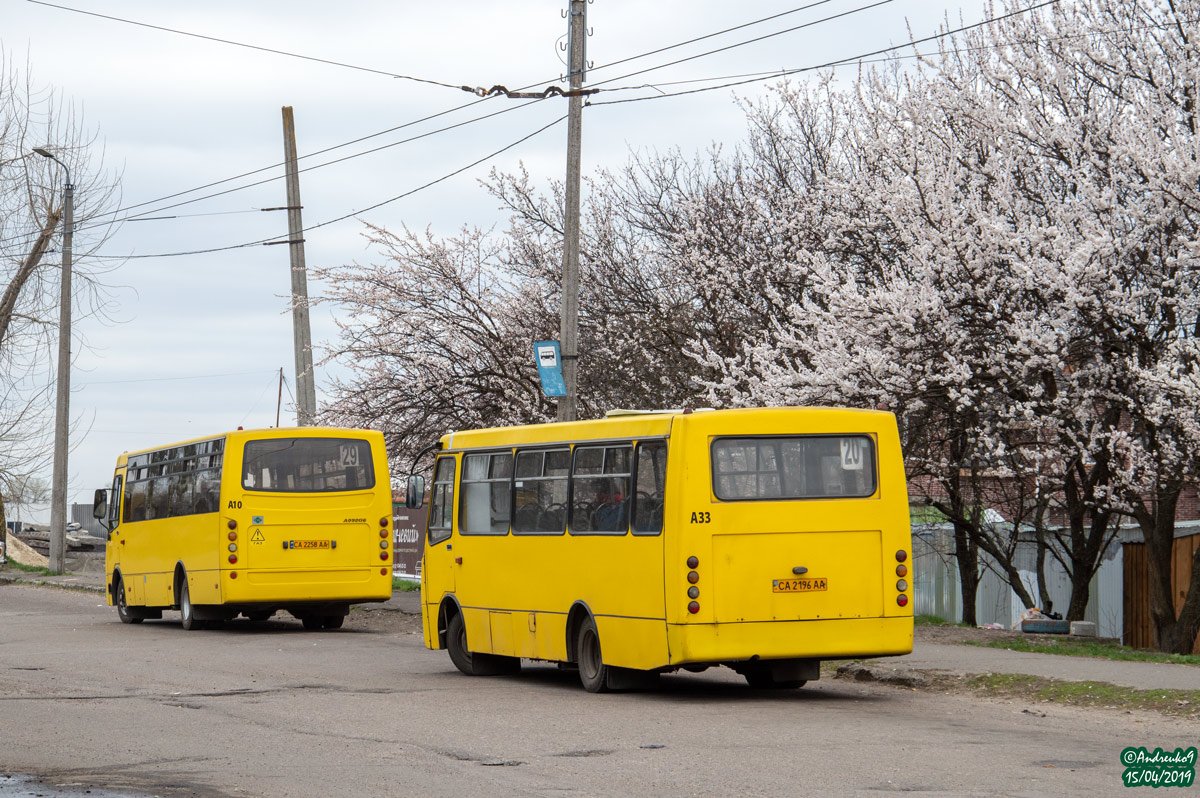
(250, 522)
(765, 540)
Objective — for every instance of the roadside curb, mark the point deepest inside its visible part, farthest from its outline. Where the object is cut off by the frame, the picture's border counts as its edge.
(9, 579)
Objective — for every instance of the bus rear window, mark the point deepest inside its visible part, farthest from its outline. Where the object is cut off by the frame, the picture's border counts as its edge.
(307, 465)
(793, 467)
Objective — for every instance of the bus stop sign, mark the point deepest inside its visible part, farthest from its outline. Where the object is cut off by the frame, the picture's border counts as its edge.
(549, 364)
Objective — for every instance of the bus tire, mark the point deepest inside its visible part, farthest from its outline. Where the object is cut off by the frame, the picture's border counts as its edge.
(473, 664)
(187, 610)
(123, 611)
(593, 673)
(333, 621)
(311, 621)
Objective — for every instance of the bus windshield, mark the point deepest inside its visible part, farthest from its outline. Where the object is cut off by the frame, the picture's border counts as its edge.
(307, 465)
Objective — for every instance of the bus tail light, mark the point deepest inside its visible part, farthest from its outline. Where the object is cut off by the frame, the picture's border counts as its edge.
(383, 544)
(383, 572)
(383, 555)
(901, 585)
(232, 524)
(901, 555)
(233, 535)
(901, 570)
(383, 533)
(383, 521)
(693, 577)
(233, 574)
(233, 547)
(232, 559)
(694, 608)
(902, 600)
(692, 562)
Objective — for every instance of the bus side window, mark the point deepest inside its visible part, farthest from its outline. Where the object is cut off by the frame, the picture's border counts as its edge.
(441, 505)
(651, 487)
(135, 501)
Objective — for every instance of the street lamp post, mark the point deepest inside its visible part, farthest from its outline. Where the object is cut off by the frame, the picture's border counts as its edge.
(58, 491)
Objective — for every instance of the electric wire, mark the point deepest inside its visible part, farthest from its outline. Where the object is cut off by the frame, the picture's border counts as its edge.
(402, 126)
(755, 40)
(709, 35)
(827, 64)
(246, 45)
(113, 213)
(307, 228)
(161, 208)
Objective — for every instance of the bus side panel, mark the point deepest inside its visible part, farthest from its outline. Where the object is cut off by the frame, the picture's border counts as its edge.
(616, 577)
(633, 642)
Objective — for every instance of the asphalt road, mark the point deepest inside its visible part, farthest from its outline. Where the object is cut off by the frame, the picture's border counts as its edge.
(273, 710)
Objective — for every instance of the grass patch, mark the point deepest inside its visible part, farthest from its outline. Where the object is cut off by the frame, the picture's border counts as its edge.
(1091, 694)
(404, 585)
(1075, 647)
(933, 620)
(32, 569)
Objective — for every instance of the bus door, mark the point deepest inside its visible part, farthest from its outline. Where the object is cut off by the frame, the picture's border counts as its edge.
(439, 568)
(113, 550)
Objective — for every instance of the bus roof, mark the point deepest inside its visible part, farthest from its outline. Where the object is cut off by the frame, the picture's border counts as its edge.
(626, 424)
(268, 432)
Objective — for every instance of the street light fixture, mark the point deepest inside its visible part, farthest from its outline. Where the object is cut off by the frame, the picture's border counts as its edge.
(58, 491)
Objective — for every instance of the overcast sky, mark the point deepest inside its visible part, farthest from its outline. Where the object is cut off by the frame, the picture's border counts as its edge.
(197, 341)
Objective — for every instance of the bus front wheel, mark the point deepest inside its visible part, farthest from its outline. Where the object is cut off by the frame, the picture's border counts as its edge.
(474, 664)
(593, 673)
(123, 612)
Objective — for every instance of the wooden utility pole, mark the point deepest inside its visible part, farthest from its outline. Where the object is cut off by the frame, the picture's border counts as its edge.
(577, 30)
(306, 392)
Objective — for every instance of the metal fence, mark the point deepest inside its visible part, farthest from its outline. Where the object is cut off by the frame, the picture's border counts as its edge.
(936, 589)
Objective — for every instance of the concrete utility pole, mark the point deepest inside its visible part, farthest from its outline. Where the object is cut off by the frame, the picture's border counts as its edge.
(62, 390)
(577, 30)
(306, 391)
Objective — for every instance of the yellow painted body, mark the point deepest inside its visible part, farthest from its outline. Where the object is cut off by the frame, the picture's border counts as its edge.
(516, 591)
(146, 554)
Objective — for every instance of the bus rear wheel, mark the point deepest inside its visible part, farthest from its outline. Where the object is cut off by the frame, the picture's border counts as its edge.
(123, 612)
(187, 611)
(333, 621)
(593, 673)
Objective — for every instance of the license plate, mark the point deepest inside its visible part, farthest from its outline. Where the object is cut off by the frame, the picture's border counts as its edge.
(310, 544)
(804, 585)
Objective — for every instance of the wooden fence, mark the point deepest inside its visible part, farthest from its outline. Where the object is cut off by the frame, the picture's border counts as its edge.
(1139, 628)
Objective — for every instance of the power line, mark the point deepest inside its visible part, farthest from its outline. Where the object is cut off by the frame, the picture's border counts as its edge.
(755, 40)
(710, 35)
(409, 193)
(837, 62)
(161, 208)
(910, 57)
(248, 46)
(125, 209)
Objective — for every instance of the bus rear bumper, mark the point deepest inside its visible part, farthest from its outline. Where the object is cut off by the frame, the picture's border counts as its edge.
(279, 586)
(824, 639)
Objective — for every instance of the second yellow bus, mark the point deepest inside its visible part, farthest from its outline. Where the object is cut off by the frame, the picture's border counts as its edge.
(765, 540)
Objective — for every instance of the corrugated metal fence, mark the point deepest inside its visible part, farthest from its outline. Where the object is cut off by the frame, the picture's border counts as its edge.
(936, 589)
